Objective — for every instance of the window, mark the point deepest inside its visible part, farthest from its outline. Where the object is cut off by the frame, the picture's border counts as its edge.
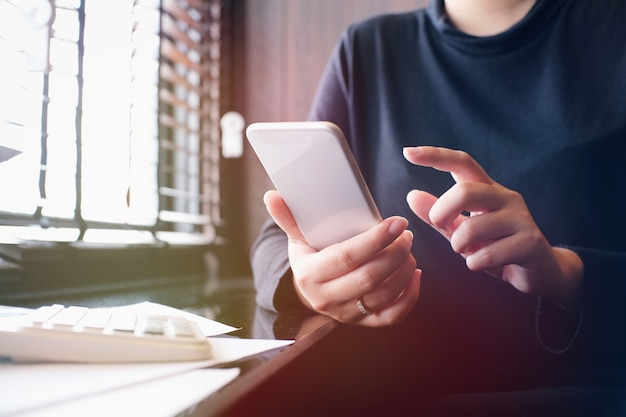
(109, 115)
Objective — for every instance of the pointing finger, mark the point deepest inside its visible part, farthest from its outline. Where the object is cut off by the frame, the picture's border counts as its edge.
(458, 163)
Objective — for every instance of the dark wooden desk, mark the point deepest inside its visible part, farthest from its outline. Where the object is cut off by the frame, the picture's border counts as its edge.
(282, 382)
(330, 370)
(266, 381)
(339, 370)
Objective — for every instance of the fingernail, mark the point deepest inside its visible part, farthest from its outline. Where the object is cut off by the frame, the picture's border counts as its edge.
(266, 196)
(408, 236)
(397, 226)
(408, 150)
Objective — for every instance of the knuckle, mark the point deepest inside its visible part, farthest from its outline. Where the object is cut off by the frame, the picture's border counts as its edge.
(516, 198)
(386, 297)
(463, 156)
(465, 190)
(388, 294)
(536, 238)
(437, 219)
(321, 306)
(351, 316)
(367, 280)
(345, 258)
(465, 233)
(302, 280)
(516, 195)
(305, 282)
(481, 260)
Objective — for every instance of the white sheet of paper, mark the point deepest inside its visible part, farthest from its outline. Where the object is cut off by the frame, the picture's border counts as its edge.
(10, 315)
(209, 327)
(165, 397)
(29, 387)
(44, 387)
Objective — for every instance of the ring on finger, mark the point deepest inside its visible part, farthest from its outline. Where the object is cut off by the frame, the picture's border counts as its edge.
(362, 308)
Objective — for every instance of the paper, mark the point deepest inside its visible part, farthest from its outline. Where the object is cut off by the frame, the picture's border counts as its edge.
(9, 316)
(208, 327)
(65, 388)
(164, 397)
(27, 387)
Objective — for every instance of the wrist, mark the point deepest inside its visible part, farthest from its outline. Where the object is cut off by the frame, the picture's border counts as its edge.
(568, 278)
(288, 296)
(303, 301)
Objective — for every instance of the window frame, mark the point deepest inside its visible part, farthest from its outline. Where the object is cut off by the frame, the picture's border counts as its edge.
(35, 260)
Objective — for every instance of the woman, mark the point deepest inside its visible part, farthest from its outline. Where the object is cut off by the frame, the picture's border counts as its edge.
(521, 248)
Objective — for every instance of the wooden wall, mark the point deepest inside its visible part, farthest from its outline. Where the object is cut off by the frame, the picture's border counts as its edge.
(286, 44)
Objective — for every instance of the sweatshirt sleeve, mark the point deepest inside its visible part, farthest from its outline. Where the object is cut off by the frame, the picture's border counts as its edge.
(604, 296)
(598, 328)
(270, 262)
(271, 270)
(268, 256)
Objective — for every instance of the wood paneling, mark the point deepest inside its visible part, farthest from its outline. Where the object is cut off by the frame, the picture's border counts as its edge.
(287, 45)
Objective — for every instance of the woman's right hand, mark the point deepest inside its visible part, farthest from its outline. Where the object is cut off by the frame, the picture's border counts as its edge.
(374, 268)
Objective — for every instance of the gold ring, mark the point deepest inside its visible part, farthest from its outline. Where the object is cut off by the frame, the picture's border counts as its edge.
(362, 308)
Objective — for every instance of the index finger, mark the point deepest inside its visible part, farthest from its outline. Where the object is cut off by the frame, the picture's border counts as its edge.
(458, 163)
(338, 259)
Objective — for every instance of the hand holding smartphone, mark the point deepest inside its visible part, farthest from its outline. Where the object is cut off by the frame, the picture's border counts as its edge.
(312, 167)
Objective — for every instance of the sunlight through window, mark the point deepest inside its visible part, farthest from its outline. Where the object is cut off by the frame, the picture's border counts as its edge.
(117, 129)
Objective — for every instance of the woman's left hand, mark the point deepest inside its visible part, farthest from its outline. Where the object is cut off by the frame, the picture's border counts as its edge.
(492, 228)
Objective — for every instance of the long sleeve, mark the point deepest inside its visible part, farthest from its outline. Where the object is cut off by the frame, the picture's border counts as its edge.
(271, 270)
(604, 307)
(541, 107)
(270, 262)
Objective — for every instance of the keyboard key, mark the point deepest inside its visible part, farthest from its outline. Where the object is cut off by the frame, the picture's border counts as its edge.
(78, 334)
(95, 320)
(67, 317)
(40, 316)
(154, 325)
(122, 322)
(182, 327)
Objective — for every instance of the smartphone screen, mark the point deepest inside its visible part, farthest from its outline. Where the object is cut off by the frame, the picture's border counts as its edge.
(313, 169)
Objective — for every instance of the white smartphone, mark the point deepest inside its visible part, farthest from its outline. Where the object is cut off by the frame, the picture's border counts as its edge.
(312, 167)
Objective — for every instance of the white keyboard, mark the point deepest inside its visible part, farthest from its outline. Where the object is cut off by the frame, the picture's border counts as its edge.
(57, 333)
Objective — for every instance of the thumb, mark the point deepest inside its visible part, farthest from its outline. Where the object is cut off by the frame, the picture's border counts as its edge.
(281, 214)
(421, 203)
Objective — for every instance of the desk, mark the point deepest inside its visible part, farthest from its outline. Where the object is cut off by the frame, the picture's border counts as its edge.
(326, 372)
(272, 383)
(257, 391)
(331, 370)
(339, 370)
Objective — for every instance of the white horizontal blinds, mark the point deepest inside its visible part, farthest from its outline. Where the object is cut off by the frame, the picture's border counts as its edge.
(60, 144)
(21, 101)
(105, 134)
(143, 197)
(118, 133)
(189, 117)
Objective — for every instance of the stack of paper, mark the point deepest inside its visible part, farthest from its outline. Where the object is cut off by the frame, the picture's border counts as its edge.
(159, 389)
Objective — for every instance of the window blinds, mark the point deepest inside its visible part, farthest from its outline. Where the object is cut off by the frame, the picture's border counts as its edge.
(118, 135)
